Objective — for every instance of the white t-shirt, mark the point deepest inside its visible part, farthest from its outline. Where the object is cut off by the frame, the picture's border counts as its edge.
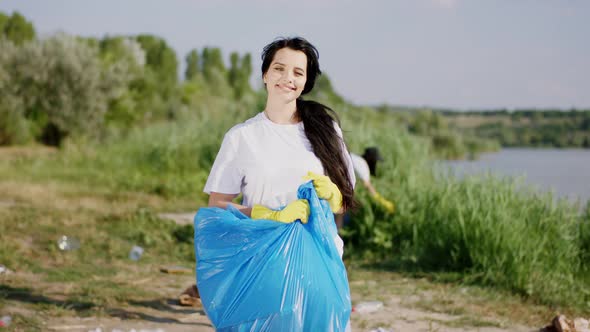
(266, 162)
(361, 167)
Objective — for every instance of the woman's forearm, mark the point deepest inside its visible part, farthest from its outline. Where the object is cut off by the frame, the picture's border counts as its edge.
(224, 203)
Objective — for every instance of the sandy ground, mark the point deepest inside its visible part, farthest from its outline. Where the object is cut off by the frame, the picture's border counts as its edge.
(163, 313)
(396, 315)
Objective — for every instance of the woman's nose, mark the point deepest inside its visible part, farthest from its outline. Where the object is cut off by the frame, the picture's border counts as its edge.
(288, 76)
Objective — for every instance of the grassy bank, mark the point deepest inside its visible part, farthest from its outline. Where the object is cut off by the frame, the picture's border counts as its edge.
(481, 230)
(473, 231)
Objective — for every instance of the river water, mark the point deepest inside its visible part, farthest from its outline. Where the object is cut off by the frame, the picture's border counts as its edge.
(565, 171)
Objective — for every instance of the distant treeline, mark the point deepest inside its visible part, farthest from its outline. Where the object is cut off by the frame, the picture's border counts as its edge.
(526, 128)
(65, 86)
(69, 86)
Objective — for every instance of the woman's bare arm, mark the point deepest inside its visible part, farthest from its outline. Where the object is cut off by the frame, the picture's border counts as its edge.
(222, 200)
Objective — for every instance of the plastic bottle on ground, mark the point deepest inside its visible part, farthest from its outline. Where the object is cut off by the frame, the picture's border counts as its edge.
(67, 243)
(5, 321)
(135, 253)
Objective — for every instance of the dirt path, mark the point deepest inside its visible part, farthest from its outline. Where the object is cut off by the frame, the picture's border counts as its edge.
(408, 305)
(397, 314)
(402, 310)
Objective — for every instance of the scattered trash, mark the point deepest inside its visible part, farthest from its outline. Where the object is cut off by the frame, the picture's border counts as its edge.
(562, 324)
(582, 325)
(176, 269)
(4, 270)
(135, 253)
(98, 329)
(67, 243)
(190, 297)
(5, 321)
(367, 307)
(381, 329)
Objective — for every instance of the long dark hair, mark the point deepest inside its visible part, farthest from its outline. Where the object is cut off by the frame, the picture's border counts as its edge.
(318, 120)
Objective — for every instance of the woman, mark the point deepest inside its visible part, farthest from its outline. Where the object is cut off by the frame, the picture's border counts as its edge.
(266, 159)
(292, 141)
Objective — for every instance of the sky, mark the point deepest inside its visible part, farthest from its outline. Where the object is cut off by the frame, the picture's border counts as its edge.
(461, 54)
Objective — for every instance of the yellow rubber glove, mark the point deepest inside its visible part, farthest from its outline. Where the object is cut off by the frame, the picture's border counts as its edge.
(298, 209)
(326, 189)
(387, 205)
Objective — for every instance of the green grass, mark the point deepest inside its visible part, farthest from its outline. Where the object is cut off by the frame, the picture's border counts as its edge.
(486, 231)
(476, 231)
(481, 228)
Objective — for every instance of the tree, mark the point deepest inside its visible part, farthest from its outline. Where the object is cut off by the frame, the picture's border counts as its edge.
(120, 50)
(192, 65)
(14, 127)
(16, 28)
(126, 59)
(239, 74)
(212, 61)
(245, 73)
(234, 70)
(161, 61)
(214, 73)
(158, 89)
(3, 20)
(58, 87)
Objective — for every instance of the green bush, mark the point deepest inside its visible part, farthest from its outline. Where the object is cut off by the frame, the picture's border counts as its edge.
(57, 87)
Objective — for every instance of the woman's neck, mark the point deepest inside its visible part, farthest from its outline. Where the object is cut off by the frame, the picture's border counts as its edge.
(281, 113)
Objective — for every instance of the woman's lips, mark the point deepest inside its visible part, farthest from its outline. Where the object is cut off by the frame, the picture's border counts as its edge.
(286, 87)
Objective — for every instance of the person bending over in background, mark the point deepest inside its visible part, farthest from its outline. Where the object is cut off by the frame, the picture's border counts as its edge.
(365, 166)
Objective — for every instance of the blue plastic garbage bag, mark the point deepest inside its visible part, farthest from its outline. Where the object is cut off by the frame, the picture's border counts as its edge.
(262, 275)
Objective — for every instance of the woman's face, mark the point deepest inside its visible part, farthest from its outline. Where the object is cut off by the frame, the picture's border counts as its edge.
(286, 75)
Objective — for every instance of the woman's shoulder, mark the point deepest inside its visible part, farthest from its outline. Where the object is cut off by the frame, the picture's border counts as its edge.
(250, 125)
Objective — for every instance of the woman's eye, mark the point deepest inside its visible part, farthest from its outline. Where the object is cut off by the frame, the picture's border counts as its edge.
(299, 74)
(279, 68)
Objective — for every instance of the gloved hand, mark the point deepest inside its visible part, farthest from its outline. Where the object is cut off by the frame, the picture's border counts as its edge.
(387, 205)
(298, 209)
(326, 189)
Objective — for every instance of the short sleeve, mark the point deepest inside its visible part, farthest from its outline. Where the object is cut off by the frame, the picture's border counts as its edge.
(361, 168)
(226, 175)
(346, 156)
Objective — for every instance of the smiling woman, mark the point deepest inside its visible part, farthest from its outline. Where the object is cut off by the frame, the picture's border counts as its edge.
(267, 159)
